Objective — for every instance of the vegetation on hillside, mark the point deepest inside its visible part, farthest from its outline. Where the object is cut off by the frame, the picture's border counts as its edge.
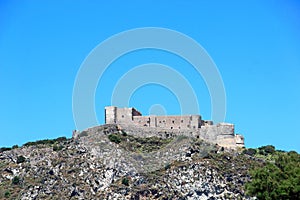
(46, 142)
(139, 144)
(274, 174)
(279, 178)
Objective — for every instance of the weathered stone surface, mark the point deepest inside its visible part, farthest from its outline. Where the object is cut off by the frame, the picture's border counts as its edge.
(132, 121)
(90, 166)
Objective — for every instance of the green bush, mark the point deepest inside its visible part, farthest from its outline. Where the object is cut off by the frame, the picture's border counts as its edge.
(46, 141)
(124, 133)
(2, 149)
(125, 181)
(250, 151)
(278, 180)
(7, 194)
(57, 147)
(20, 159)
(15, 180)
(167, 166)
(15, 146)
(265, 150)
(114, 138)
(60, 139)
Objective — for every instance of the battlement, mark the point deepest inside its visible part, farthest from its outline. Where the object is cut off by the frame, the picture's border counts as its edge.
(190, 125)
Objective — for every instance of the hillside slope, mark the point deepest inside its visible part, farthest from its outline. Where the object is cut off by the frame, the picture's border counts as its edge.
(106, 163)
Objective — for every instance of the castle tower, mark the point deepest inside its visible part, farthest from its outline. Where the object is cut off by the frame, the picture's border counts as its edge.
(110, 115)
(114, 115)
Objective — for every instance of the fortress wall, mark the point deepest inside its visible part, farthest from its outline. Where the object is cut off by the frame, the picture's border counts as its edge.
(218, 133)
(167, 126)
(209, 133)
(169, 122)
(173, 122)
(141, 121)
(124, 115)
(206, 123)
(195, 121)
(110, 115)
(226, 128)
(240, 141)
(153, 121)
(226, 136)
(132, 116)
(227, 142)
(157, 131)
(120, 115)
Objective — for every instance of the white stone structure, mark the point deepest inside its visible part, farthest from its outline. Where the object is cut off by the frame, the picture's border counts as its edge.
(191, 125)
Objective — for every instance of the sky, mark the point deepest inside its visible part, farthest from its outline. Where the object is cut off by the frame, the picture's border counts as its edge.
(255, 46)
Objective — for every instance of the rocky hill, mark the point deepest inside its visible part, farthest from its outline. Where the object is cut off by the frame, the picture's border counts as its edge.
(107, 163)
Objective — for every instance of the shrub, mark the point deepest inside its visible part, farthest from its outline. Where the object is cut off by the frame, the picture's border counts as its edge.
(265, 150)
(114, 138)
(46, 141)
(20, 159)
(125, 181)
(7, 194)
(279, 180)
(60, 139)
(124, 133)
(167, 166)
(2, 149)
(250, 151)
(15, 146)
(57, 147)
(269, 149)
(29, 144)
(15, 180)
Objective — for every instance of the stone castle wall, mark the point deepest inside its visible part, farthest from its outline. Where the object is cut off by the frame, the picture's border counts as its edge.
(134, 123)
(132, 116)
(169, 122)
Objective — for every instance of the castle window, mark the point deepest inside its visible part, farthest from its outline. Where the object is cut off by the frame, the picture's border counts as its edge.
(181, 121)
(194, 126)
(122, 116)
(173, 121)
(159, 121)
(171, 127)
(188, 126)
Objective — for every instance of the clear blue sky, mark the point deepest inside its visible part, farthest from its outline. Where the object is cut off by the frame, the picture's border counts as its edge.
(255, 45)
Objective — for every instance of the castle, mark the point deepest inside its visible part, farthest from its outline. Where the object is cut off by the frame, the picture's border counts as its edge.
(190, 125)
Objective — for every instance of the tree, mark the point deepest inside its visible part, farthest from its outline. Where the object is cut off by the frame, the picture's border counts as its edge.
(278, 180)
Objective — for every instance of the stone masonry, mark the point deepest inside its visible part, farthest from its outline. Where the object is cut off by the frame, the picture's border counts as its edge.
(133, 122)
